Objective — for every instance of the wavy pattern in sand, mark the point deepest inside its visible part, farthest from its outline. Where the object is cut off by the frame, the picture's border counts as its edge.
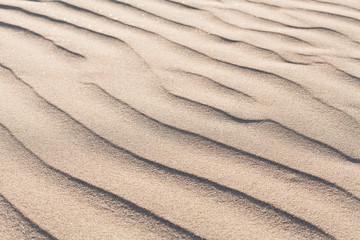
(169, 119)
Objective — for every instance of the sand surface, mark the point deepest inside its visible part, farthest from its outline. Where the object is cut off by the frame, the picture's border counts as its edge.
(170, 119)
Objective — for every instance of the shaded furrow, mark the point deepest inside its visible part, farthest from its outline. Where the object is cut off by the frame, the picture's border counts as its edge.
(14, 225)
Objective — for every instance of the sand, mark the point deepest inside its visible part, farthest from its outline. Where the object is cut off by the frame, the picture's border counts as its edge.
(170, 119)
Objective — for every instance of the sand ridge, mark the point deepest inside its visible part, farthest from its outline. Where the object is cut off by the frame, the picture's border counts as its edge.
(179, 119)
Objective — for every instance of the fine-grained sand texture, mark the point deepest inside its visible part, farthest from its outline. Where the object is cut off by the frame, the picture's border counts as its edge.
(170, 119)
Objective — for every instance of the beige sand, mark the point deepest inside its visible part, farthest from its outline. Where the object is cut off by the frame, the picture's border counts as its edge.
(170, 119)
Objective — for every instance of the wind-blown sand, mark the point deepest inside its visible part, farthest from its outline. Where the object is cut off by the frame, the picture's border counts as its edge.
(169, 119)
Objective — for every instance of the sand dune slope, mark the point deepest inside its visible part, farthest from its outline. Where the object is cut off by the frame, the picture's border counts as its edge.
(169, 119)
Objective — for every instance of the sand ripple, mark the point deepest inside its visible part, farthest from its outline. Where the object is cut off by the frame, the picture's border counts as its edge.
(169, 119)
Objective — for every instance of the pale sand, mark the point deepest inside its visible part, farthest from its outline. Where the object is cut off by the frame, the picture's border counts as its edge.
(170, 119)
